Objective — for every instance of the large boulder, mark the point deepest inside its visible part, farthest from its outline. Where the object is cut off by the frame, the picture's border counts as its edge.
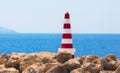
(109, 65)
(30, 70)
(71, 65)
(48, 60)
(90, 58)
(91, 67)
(45, 54)
(81, 59)
(39, 67)
(14, 60)
(57, 69)
(117, 64)
(79, 70)
(117, 70)
(4, 58)
(9, 70)
(2, 66)
(106, 71)
(35, 68)
(48, 66)
(27, 61)
(111, 57)
(62, 57)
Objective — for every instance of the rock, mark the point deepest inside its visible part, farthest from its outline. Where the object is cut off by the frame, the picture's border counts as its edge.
(71, 65)
(9, 70)
(27, 61)
(4, 58)
(14, 60)
(81, 59)
(2, 66)
(105, 71)
(111, 57)
(57, 69)
(48, 60)
(90, 58)
(117, 70)
(97, 61)
(45, 54)
(111, 65)
(63, 57)
(91, 67)
(79, 70)
(12, 63)
(35, 68)
(117, 64)
(57, 63)
(48, 66)
(29, 70)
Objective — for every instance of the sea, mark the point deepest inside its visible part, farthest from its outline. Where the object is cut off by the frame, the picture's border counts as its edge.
(85, 44)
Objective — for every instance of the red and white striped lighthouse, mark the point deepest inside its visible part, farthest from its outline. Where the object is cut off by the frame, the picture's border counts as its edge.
(67, 45)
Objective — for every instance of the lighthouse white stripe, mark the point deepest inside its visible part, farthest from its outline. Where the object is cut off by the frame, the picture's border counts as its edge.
(67, 21)
(67, 50)
(66, 30)
(66, 41)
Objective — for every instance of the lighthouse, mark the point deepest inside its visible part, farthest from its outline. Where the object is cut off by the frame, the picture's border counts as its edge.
(66, 44)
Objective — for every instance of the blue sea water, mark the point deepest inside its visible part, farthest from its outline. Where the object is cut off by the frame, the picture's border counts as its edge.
(85, 44)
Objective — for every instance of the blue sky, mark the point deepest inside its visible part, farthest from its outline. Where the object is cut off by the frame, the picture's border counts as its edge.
(46, 16)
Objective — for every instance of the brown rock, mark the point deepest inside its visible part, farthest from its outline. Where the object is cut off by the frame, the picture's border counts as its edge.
(9, 70)
(117, 70)
(30, 70)
(27, 61)
(4, 58)
(79, 70)
(91, 58)
(111, 65)
(48, 66)
(91, 67)
(35, 68)
(48, 60)
(63, 57)
(45, 54)
(105, 71)
(117, 64)
(111, 57)
(14, 60)
(57, 69)
(97, 61)
(2, 66)
(81, 59)
(71, 65)
(12, 63)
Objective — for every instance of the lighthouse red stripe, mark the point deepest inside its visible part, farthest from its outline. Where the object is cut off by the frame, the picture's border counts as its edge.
(66, 26)
(67, 16)
(66, 46)
(73, 56)
(67, 36)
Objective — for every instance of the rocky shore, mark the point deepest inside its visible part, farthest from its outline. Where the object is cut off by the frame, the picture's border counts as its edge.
(45, 62)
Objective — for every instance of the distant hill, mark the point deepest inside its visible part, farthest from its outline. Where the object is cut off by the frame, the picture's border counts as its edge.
(4, 30)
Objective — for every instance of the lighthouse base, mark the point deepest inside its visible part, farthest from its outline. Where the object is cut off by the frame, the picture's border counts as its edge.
(67, 50)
